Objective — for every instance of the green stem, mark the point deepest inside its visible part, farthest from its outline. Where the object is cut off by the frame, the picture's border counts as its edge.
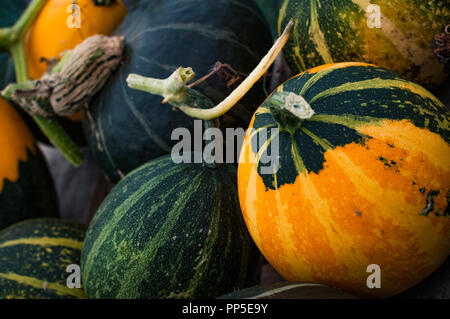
(12, 39)
(172, 89)
(27, 18)
(176, 97)
(20, 62)
(51, 127)
(5, 36)
(289, 110)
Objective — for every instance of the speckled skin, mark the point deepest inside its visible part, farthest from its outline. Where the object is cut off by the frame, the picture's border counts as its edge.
(34, 256)
(168, 231)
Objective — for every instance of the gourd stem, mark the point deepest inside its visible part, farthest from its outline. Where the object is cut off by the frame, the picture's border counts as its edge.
(246, 85)
(292, 103)
(12, 39)
(172, 88)
(27, 18)
(5, 36)
(20, 62)
(56, 134)
(289, 110)
(178, 98)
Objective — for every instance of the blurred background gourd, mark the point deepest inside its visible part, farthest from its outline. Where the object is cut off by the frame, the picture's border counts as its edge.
(342, 31)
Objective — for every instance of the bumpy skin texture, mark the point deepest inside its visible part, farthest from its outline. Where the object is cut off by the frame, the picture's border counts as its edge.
(168, 231)
(126, 128)
(34, 256)
(26, 187)
(365, 181)
(337, 31)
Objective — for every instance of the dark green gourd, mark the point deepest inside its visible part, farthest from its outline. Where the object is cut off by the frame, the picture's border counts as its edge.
(270, 8)
(26, 186)
(34, 256)
(126, 128)
(169, 231)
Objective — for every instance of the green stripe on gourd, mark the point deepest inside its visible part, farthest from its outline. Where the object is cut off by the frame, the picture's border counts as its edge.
(343, 99)
(168, 231)
(34, 256)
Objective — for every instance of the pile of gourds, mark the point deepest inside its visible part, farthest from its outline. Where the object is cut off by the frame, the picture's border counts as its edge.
(343, 178)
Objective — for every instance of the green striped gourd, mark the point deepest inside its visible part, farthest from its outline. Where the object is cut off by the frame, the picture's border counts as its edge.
(34, 256)
(126, 128)
(347, 30)
(168, 231)
(364, 180)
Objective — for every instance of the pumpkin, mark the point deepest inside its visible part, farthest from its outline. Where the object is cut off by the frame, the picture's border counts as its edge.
(169, 231)
(49, 36)
(346, 30)
(288, 290)
(26, 187)
(34, 257)
(364, 181)
(434, 287)
(127, 128)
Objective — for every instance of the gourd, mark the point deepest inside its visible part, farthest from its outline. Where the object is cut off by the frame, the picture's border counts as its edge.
(342, 31)
(24, 43)
(35, 256)
(168, 231)
(26, 187)
(270, 9)
(50, 35)
(126, 128)
(363, 178)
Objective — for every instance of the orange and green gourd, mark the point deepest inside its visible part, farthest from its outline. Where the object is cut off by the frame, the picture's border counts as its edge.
(364, 180)
(50, 36)
(26, 187)
(347, 30)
